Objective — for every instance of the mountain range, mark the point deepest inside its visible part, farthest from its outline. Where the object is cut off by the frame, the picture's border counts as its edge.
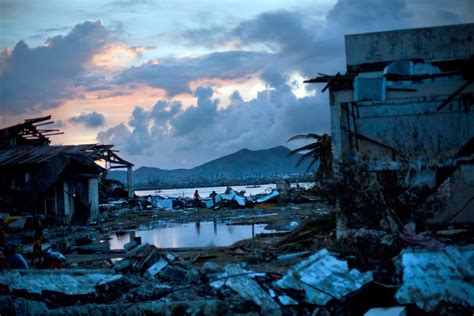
(244, 164)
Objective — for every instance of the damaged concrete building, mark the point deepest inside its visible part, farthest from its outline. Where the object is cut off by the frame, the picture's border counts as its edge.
(405, 104)
(59, 182)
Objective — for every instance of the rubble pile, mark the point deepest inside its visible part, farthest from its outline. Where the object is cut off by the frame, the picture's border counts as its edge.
(148, 281)
(387, 264)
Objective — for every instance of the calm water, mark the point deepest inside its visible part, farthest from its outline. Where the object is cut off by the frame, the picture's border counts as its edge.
(204, 234)
(204, 192)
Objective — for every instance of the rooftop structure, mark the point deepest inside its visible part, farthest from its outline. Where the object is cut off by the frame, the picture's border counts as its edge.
(60, 182)
(406, 101)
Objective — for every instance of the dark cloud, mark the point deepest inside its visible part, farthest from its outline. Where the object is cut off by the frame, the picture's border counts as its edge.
(294, 41)
(163, 110)
(307, 44)
(440, 12)
(33, 79)
(210, 36)
(354, 16)
(9, 8)
(174, 75)
(55, 29)
(287, 42)
(92, 119)
(282, 31)
(58, 124)
(202, 132)
(114, 135)
(199, 117)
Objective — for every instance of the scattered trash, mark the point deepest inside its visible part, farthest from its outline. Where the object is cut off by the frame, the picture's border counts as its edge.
(293, 255)
(161, 203)
(268, 197)
(229, 196)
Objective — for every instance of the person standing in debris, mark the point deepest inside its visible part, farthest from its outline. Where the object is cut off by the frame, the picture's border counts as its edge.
(213, 196)
(197, 198)
(37, 244)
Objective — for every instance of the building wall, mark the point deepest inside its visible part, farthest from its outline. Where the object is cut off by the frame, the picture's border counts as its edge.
(93, 196)
(68, 199)
(406, 121)
(395, 121)
(431, 44)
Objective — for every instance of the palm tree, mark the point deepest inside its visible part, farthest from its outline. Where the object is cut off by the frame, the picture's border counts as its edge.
(319, 150)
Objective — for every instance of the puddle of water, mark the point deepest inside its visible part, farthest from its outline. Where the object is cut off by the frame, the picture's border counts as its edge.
(204, 234)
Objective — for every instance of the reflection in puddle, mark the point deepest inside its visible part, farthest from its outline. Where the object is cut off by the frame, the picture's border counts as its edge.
(199, 234)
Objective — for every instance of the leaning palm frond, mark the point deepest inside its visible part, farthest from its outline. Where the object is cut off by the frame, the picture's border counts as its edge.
(304, 136)
(319, 150)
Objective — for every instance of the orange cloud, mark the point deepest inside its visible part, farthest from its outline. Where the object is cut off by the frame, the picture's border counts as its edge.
(115, 104)
(116, 57)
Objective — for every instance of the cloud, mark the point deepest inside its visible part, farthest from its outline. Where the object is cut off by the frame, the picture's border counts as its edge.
(170, 132)
(199, 117)
(299, 41)
(276, 46)
(55, 29)
(91, 120)
(116, 56)
(136, 139)
(34, 79)
(58, 124)
(174, 75)
(114, 135)
(368, 15)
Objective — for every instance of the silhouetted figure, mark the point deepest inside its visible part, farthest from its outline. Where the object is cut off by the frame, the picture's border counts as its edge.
(197, 198)
(37, 244)
(213, 196)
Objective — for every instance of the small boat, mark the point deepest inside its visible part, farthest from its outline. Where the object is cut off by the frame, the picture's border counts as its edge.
(253, 186)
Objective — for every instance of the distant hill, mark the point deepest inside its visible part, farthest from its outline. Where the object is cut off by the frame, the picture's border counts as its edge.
(241, 165)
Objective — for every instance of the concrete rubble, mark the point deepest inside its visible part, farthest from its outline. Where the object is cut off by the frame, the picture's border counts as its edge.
(297, 272)
(240, 281)
(323, 277)
(75, 282)
(434, 277)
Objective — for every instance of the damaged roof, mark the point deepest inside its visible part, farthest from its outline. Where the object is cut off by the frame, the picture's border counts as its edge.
(28, 133)
(27, 144)
(23, 155)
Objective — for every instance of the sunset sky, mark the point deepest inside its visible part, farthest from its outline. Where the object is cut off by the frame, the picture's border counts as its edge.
(174, 84)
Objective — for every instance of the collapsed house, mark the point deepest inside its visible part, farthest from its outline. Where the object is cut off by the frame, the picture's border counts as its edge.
(405, 106)
(59, 182)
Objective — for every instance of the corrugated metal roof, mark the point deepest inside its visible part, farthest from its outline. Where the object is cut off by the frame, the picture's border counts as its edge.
(21, 155)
